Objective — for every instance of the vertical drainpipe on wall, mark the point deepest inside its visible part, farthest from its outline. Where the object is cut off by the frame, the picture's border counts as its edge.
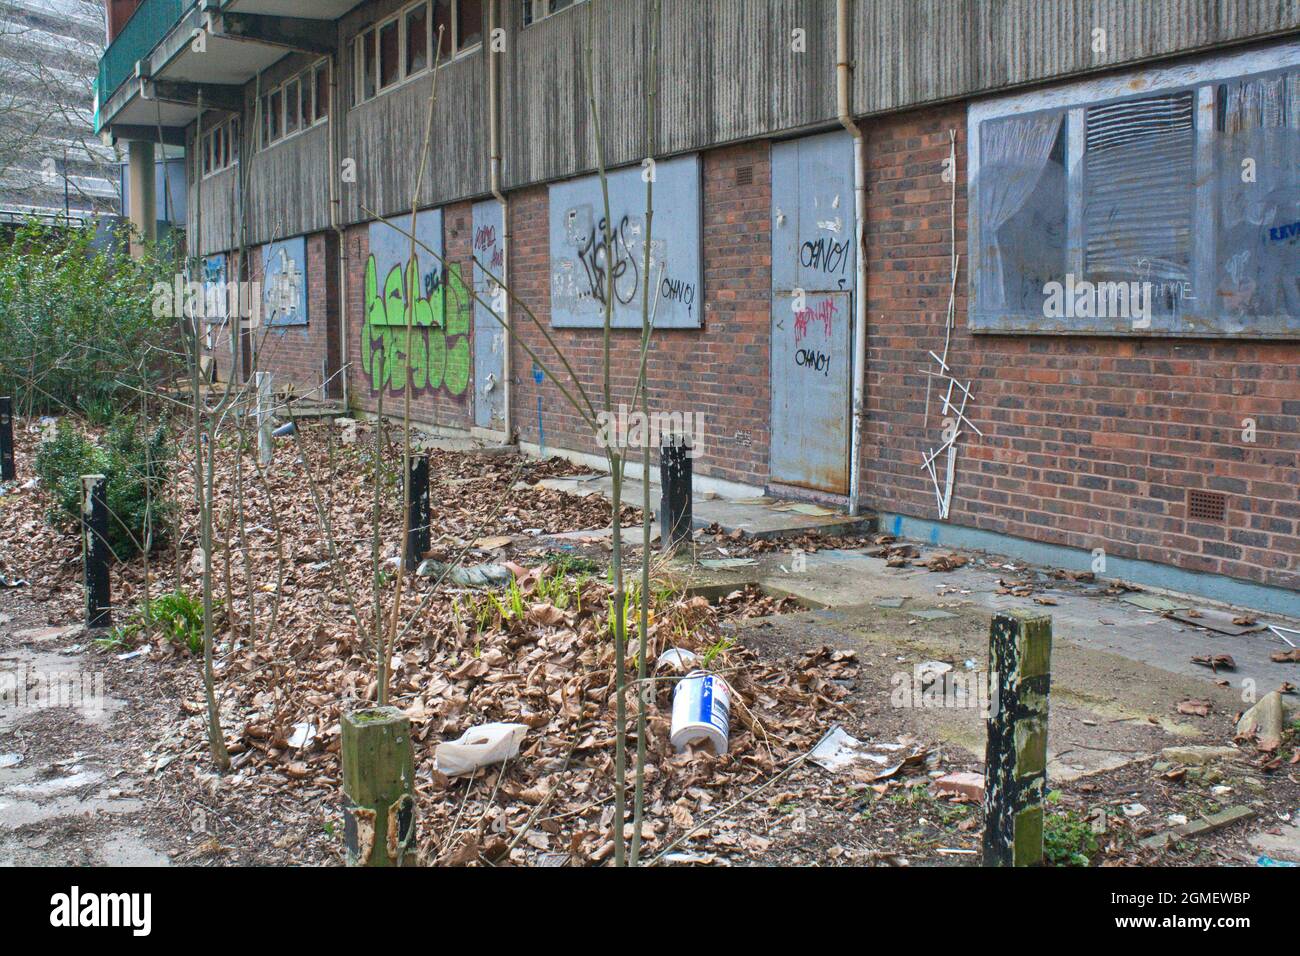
(336, 223)
(494, 134)
(844, 113)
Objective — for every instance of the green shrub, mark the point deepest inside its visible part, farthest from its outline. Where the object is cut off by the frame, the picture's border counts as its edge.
(77, 323)
(132, 464)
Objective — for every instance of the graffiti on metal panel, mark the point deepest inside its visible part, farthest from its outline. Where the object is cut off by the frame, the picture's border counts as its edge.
(819, 315)
(437, 356)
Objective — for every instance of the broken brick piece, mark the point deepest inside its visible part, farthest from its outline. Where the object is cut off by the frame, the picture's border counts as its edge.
(965, 784)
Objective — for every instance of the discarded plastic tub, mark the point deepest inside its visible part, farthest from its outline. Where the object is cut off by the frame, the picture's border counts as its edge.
(701, 711)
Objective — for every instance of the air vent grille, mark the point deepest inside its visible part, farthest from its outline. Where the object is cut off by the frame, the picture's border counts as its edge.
(744, 175)
(1206, 505)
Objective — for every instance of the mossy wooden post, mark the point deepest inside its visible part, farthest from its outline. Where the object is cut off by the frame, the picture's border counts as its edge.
(379, 784)
(1020, 658)
(95, 551)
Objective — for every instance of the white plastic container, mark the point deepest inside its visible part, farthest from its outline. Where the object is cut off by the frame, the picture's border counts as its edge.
(701, 711)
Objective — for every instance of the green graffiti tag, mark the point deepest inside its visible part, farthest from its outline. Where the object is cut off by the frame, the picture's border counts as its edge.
(437, 355)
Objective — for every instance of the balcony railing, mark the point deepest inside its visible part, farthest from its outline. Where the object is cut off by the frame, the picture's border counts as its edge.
(147, 26)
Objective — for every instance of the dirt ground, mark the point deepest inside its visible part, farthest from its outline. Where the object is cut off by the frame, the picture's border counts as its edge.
(131, 782)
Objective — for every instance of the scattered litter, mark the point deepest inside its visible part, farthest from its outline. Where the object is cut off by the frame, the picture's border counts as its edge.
(890, 602)
(1132, 810)
(474, 576)
(1266, 860)
(479, 747)
(955, 851)
(304, 732)
(1278, 629)
(1176, 819)
(493, 542)
(1222, 622)
(681, 659)
(9, 582)
(10, 760)
(132, 655)
(701, 712)
(839, 751)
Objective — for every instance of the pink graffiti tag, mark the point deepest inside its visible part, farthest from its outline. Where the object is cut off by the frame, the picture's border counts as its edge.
(824, 310)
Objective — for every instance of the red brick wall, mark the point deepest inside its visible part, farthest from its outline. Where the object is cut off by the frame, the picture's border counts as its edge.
(1088, 442)
(294, 354)
(720, 370)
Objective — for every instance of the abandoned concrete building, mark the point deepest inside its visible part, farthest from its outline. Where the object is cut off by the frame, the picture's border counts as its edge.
(1020, 275)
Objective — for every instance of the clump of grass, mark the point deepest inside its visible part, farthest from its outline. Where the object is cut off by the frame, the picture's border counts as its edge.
(177, 616)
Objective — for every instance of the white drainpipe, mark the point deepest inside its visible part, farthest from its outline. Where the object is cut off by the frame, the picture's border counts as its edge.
(336, 224)
(845, 116)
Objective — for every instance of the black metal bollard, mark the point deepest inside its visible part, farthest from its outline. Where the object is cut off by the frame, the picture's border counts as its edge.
(7, 472)
(95, 551)
(675, 482)
(418, 536)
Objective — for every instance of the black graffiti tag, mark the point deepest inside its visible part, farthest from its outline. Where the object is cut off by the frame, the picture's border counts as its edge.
(825, 255)
(595, 258)
(814, 359)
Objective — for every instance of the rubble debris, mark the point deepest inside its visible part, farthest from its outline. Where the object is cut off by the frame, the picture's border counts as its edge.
(1286, 657)
(1222, 622)
(966, 784)
(1215, 661)
(1265, 721)
(1199, 756)
(945, 561)
(1195, 708)
(1199, 827)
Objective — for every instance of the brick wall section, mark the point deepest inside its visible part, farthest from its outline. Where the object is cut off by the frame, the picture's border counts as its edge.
(294, 354)
(720, 371)
(428, 406)
(1089, 442)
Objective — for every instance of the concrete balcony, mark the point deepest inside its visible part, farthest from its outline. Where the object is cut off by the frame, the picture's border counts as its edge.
(151, 76)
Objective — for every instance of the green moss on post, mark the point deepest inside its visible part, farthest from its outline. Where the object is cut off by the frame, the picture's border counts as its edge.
(1020, 657)
(379, 784)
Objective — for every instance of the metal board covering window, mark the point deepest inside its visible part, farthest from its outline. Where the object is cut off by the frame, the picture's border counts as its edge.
(1162, 203)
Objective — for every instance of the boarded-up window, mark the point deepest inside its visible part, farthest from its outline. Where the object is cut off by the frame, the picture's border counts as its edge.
(1174, 211)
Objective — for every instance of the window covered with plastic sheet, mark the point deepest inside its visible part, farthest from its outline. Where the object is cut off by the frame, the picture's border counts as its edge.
(1174, 210)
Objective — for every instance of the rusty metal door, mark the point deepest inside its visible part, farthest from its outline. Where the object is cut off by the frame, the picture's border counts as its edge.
(813, 274)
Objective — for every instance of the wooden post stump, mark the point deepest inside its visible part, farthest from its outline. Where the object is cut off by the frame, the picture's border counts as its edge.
(379, 784)
(95, 551)
(1020, 657)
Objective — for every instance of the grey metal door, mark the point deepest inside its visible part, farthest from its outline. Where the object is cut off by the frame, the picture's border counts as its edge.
(489, 337)
(813, 274)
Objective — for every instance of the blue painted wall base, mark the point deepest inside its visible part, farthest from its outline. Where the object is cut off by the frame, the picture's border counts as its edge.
(1216, 587)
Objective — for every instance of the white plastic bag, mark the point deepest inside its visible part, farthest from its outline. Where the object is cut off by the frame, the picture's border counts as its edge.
(479, 747)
